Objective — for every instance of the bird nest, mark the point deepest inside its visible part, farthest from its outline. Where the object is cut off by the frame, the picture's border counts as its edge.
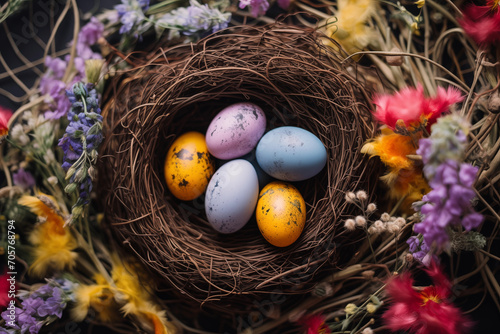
(297, 82)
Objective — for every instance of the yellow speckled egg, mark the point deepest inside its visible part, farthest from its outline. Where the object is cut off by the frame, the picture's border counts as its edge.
(188, 166)
(281, 213)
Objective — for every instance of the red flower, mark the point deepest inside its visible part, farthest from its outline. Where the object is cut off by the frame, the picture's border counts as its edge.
(482, 23)
(5, 115)
(423, 311)
(315, 324)
(412, 107)
(4, 291)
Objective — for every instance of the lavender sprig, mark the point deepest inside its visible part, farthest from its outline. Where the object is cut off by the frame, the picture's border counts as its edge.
(195, 20)
(132, 18)
(40, 307)
(80, 143)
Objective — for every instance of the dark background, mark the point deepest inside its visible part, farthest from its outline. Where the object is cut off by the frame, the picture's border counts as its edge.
(35, 21)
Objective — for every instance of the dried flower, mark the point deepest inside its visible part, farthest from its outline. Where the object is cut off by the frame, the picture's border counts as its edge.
(351, 308)
(40, 307)
(53, 243)
(360, 221)
(449, 203)
(4, 289)
(371, 308)
(52, 180)
(379, 226)
(93, 68)
(385, 217)
(80, 142)
(195, 20)
(361, 195)
(482, 23)
(350, 224)
(372, 207)
(5, 115)
(131, 14)
(426, 311)
(17, 134)
(23, 179)
(372, 230)
(349, 28)
(88, 36)
(467, 241)
(412, 107)
(258, 7)
(367, 330)
(350, 197)
(127, 293)
(314, 324)
(420, 3)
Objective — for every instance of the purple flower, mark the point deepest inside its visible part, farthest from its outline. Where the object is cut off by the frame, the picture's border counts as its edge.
(23, 179)
(56, 66)
(421, 251)
(258, 7)
(131, 14)
(81, 141)
(414, 243)
(12, 319)
(448, 204)
(284, 4)
(196, 19)
(57, 102)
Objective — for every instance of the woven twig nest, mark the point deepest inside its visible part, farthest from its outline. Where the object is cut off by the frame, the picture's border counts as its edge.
(297, 82)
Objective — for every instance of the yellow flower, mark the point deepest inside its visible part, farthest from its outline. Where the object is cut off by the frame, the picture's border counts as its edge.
(127, 294)
(53, 243)
(392, 148)
(420, 3)
(404, 178)
(351, 308)
(350, 29)
(371, 308)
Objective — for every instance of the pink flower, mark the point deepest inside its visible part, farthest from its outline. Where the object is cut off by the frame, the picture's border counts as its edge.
(482, 23)
(5, 115)
(423, 311)
(315, 324)
(412, 107)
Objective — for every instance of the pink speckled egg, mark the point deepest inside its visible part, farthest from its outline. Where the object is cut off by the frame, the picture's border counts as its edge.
(235, 130)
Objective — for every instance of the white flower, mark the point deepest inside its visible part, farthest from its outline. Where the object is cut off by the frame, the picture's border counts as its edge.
(18, 135)
(350, 224)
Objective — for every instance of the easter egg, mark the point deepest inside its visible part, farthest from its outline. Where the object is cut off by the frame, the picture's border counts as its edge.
(280, 213)
(231, 196)
(188, 166)
(291, 154)
(235, 130)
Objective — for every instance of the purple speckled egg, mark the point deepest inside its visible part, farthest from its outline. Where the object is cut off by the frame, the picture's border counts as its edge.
(236, 130)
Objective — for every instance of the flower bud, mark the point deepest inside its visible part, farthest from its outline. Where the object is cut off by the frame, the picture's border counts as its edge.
(371, 208)
(350, 224)
(323, 289)
(350, 197)
(360, 221)
(93, 68)
(361, 195)
(350, 308)
(70, 188)
(394, 60)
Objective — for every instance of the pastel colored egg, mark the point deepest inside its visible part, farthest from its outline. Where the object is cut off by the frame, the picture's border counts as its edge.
(235, 130)
(231, 196)
(291, 154)
(188, 166)
(281, 213)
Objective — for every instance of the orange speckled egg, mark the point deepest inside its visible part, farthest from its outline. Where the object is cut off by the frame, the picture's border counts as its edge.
(188, 166)
(281, 213)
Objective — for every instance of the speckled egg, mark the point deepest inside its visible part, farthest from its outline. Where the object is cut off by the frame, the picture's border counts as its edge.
(281, 213)
(188, 166)
(290, 153)
(235, 130)
(231, 196)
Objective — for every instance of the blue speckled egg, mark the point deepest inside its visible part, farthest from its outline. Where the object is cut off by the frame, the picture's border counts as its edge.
(291, 154)
(231, 196)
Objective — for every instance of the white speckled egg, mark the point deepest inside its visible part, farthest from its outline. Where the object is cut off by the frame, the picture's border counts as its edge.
(235, 130)
(231, 196)
(290, 153)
